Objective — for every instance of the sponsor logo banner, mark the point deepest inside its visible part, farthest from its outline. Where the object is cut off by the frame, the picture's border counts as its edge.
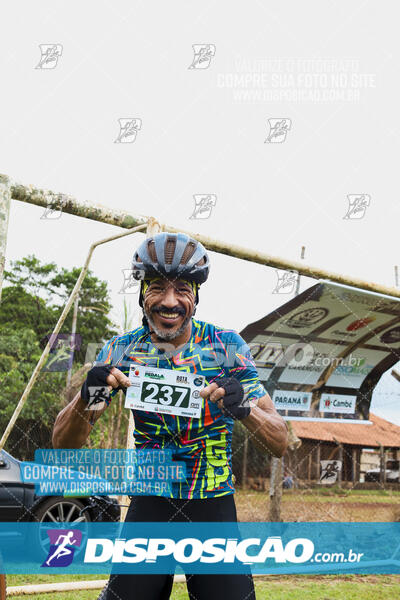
(335, 403)
(330, 338)
(284, 400)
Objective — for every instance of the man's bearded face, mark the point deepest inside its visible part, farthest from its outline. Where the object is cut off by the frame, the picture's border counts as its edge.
(168, 306)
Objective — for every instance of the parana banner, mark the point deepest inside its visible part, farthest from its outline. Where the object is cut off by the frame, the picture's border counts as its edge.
(321, 354)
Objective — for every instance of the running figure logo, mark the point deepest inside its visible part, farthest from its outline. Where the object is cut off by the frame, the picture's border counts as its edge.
(203, 205)
(286, 282)
(203, 54)
(98, 396)
(54, 209)
(62, 347)
(330, 470)
(358, 204)
(131, 283)
(128, 129)
(61, 551)
(278, 129)
(50, 53)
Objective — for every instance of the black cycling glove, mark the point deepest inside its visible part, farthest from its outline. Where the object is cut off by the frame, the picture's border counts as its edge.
(95, 387)
(234, 405)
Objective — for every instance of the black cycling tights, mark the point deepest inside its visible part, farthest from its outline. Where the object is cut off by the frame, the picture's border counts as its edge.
(200, 587)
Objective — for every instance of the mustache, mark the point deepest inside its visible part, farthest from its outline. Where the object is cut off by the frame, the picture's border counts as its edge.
(177, 310)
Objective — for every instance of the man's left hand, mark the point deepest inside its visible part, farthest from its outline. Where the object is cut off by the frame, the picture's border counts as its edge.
(228, 393)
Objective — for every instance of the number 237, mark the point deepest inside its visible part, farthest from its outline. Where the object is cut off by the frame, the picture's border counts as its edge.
(167, 391)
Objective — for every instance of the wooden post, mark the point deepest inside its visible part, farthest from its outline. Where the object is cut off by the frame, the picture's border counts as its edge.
(340, 474)
(294, 444)
(294, 467)
(354, 466)
(382, 474)
(318, 463)
(384, 466)
(275, 490)
(244, 465)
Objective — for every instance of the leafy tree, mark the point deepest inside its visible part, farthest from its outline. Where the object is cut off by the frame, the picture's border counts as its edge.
(31, 305)
(19, 353)
(37, 296)
(21, 309)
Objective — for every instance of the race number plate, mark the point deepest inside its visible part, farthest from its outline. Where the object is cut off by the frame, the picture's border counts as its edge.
(165, 391)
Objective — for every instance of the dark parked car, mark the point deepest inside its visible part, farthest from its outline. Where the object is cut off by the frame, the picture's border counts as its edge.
(18, 502)
(392, 472)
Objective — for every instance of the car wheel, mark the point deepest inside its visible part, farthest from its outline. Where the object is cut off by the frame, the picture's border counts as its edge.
(55, 511)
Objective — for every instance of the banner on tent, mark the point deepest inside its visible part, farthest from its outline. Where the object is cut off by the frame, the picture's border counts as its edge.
(321, 354)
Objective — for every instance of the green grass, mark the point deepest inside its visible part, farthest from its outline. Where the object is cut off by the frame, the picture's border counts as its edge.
(34, 579)
(275, 587)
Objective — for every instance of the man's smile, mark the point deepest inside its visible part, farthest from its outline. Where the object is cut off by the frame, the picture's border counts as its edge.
(168, 318)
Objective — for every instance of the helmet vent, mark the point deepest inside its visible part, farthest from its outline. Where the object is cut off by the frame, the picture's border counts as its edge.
(171, 255)
(152, 250)
(169, 250)
(188, 253)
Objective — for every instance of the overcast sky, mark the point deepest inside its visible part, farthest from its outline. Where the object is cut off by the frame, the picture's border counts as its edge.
(328, 70)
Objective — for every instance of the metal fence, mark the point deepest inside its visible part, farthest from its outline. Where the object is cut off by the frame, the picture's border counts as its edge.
(316, 481)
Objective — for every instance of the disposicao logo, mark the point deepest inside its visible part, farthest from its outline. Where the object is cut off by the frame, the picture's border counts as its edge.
(191, 550)
(63, 543)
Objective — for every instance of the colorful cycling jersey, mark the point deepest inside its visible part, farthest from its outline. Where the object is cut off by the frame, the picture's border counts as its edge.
(204, 444)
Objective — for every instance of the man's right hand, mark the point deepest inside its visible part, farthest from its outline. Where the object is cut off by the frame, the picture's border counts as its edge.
(75, 421)
(103, 376)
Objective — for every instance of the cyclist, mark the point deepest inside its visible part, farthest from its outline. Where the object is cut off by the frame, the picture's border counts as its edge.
(174, 267)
